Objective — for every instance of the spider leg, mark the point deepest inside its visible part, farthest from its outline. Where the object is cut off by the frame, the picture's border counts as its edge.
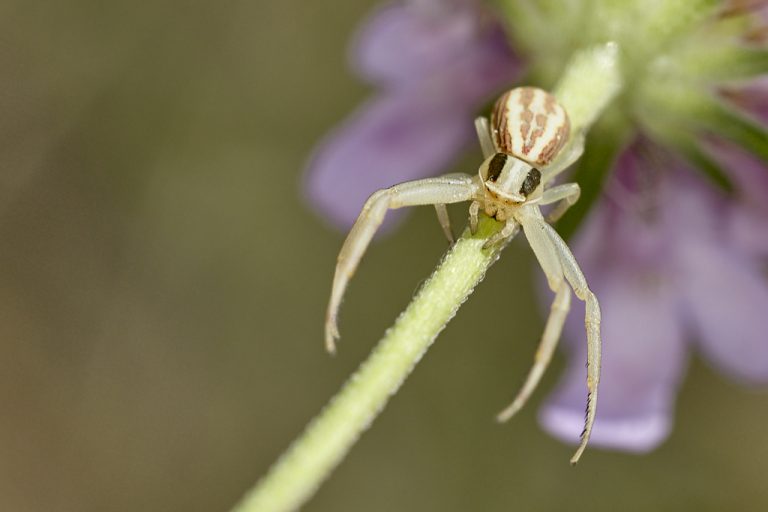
(483, 129)
(552, 330)
(567, 194)
(440, 190)
(445, 222)
(575, 278)
(573, 152)
(558, 262)
(442, 212)
(534, 227)
(474, 210)
(536, 233)
(509, 231)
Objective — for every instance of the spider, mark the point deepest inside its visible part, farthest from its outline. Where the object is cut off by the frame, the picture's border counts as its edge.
(525, 148)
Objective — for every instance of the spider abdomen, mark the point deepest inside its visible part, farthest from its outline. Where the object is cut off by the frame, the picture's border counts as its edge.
(529, 123)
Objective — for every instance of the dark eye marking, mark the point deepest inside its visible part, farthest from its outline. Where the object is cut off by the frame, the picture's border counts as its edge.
(531, 182)
(496, 165)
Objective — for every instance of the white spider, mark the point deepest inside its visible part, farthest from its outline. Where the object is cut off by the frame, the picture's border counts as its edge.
(522, 149)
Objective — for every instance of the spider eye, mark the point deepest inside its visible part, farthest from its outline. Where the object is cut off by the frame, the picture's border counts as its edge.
(496, 165)
(531, 182)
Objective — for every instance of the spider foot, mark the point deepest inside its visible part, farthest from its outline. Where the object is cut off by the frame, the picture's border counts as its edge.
(510, 410)
(331, 335)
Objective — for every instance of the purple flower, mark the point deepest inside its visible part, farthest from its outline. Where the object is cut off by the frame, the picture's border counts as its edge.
(676, 265)
(435, 63)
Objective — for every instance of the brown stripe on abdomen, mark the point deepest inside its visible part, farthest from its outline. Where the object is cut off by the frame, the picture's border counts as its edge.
(528, 123)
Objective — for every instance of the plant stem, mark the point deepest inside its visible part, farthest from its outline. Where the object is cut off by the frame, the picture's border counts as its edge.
(329, 437)
(587, 87)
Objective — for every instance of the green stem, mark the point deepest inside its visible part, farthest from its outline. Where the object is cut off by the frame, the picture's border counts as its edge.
(330, 436)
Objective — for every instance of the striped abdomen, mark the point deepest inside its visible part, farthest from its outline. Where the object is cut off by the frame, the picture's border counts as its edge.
(529, 123)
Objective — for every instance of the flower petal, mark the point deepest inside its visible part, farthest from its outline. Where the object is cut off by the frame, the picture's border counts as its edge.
(643, 360)
(621, 251)
(727, 296)
(392, 139)
(453, 45)
(747, 218)
(747, 228)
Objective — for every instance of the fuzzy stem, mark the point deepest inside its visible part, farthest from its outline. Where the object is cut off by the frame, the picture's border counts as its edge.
(330, 436)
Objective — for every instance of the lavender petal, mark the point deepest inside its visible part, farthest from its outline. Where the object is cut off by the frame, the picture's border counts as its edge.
(454, 47)
(392, 139)
(644, 356)
(748, 217)
(727, 296)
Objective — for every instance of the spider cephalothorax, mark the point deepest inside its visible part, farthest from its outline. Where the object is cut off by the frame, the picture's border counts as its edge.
(524, 146)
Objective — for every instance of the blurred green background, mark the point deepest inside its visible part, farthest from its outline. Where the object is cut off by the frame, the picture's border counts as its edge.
(162, 289)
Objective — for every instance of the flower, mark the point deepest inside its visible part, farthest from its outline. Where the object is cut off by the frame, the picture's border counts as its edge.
(435, 63)
(674, 246)
(667, 256)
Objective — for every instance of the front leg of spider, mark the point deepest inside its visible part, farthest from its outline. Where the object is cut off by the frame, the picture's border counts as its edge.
(449, 189)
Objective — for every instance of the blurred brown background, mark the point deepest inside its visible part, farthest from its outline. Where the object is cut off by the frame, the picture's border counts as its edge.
(162, 287)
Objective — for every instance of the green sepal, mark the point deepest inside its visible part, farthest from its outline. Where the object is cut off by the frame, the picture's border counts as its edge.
(681, 115)
(665, 22)
(745, 62)
(723, 120)
(685, 139)
(717, 52)
(721, 61)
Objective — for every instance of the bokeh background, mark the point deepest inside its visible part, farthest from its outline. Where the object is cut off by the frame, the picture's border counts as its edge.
(163, 283)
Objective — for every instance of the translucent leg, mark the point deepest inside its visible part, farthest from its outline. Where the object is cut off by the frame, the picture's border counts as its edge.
(474, 211)
(510, 229)
(445, 222)
(567, 194)
(557, 315)
(442, 190)
(572, 153)
(483, 130)
(442, 212)
(576, 279)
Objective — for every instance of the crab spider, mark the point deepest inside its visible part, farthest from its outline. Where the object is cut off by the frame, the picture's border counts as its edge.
(524, 147)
